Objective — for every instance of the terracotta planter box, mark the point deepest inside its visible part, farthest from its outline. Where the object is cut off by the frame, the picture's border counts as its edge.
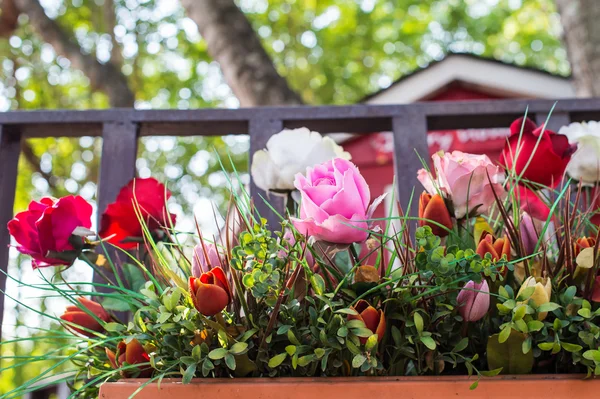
(531, 386)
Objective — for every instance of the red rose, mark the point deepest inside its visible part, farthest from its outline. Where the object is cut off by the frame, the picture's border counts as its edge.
(210, 292)
(120, 221)
(45, 229)
(533, 203)
(130, 353)
(548, 162)
(77, 315)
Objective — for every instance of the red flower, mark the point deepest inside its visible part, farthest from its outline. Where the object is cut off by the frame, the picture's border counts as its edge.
(374, 319)
(77, 315)
(531, 203)
(210, 292)
(120, 221)
(549, 160)
(433, 208)
(129, 354)
(45, 229)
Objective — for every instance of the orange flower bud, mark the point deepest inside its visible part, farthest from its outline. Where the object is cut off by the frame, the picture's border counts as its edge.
(130, 353)
(583, 243)
(366, 274)
(210, 292)
(374, 319)
(77, 315)
(494, 246)
(433, 209)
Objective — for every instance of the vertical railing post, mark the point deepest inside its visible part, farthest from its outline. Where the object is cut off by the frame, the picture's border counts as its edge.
(260, 130)
(410, 139)
(117, 165)
(10, 148)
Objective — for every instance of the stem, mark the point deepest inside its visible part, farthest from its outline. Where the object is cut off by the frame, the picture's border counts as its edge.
(290, 204)
(354, 254)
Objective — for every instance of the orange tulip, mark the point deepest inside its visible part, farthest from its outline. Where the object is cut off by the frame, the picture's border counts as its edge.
(433, 208)
(210, 292)
(374, 319)
(494, 246)
(77, 315)
(583, 243)
(129, 354)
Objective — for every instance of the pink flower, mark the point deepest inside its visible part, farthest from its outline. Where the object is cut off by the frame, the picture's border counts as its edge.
(529, 233)
(200, 263)
(474, 300)
(45, 229)
(335, 203)
(463, 179)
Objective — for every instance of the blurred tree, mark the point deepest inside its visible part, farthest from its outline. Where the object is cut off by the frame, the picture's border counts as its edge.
(582, 35)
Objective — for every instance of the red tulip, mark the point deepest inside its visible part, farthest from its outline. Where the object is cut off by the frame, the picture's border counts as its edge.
(497, 247)
(548, 161)
(45, 229)
(129, 354)
(583, 243)
(210, 292)
(596, 290)
(120, 221)
(474, 300)
(433, 208)
(77, 315)
(374, 319)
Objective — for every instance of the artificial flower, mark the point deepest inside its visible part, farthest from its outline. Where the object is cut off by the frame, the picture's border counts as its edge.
(374, 319)
(45, 230)
(474, 300)
(529, 233)
(78, 315)
(542, 293)
(366, 274)
(129, 354)
(584, 166)
(288, 153)
(497, 247)
(335, 203)
(140, 198)
(468, 181)
(582, 243)
(433, 212)
(210, 292)
(205, 257)
(544, 164)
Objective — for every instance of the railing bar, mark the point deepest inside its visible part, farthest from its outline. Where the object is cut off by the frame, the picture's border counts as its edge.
(10, 148)
(556, 121)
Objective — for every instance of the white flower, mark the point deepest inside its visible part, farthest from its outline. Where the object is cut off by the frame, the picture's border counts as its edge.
(585, 162)
(290, 152)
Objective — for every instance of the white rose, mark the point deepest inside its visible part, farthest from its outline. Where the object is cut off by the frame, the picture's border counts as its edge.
(290, 152)
(585, 162)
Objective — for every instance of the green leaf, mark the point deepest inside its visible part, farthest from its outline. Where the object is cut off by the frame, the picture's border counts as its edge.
(508, 355)
(319, 352)
(519, 312)
(217, 354)
(238, 348)
(290, 350)
(352, 348)
(525, 294)
(491, 373)
(371, 342)
(292, 338)
(277, 360)
(196, 352)
(526, 347)
(571, 347)
(134, 275)
(189, 373)
(116, 304)
(546, 346)
(534, 325)
(342, 331)
(461, 345)
(418, 322)
(114, 327)
(548, 307)
(474, 385)
(355, 324)
(358, 360)
(317, 283)
(504, 334)
(428, 342)
(592, 355)
(305, 360)
(230, 361)
(362, 332)
(503, 293)
(164, 317)
(347, 311)
(585, 312)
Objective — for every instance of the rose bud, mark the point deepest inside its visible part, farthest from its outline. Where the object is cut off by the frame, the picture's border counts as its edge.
(433, 209)
(542, 293)
(583, 243)
(79, 316)
(366, 274)
(130, 353)
(474, 300)
(210, 292)
(497, 247)
(374, 319)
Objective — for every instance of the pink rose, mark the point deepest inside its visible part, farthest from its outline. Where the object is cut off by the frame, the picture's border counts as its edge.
(200, 262)
(463, 179)
(474, 300)
(335, 203)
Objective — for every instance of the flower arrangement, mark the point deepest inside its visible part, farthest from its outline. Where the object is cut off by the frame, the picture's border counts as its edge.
(498, 273)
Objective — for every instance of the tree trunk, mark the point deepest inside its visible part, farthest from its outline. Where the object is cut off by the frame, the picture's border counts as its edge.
(105, 77)
(581, 24)
(245, 64)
